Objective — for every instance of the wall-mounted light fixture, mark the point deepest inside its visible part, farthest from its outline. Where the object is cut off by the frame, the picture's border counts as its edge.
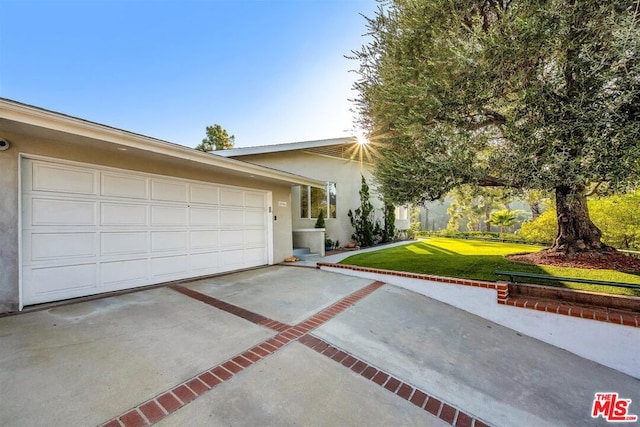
(4, 144)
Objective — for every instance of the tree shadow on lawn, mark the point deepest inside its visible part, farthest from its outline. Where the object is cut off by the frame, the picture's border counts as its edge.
(432, 248)
(430, 259)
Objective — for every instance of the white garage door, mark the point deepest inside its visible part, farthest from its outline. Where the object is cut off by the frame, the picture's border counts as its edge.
(89, 230)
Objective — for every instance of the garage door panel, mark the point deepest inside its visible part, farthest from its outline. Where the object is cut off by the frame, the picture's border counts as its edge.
(230, 197)
(50, 246)
(55, 178)
(128, 186)
(254, 255)
(231, 238)
(205, 261)
(162, 241)
(170, 191)
(207, 217)
(254, 200)
(124, 243)
(231, 259)
(175, 216)
(63, 212)
(255, 237)
(122, 214)
(231, 217)
(205, 194)
(204, 239)
(254, 218)
(173, 265)
(123, 271)
(52, 280)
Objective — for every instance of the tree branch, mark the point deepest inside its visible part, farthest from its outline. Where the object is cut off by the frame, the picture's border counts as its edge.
(491, 181)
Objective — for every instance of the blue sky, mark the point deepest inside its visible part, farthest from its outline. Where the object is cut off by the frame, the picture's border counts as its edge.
(268, 71)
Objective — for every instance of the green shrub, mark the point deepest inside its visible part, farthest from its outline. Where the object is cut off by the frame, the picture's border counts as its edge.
(616, 216)
(543, 229)
(320, 222)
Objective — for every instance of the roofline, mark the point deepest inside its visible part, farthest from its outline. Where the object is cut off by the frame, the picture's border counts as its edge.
(291, 146)
(36, 116)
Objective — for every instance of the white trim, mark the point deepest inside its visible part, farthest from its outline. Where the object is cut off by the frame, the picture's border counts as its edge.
(292, 146)
(327, 201)
(20, 243)
(269, 214)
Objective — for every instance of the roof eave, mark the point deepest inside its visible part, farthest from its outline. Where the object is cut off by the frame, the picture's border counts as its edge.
(278, 148)
(34, 116)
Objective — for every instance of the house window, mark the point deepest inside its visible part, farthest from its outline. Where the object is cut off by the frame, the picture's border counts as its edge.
(314, 200)
(402, 212)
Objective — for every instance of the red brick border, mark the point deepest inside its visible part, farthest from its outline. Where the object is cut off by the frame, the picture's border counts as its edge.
(414, 395)
(164, 404)
(465, 282)
(591, 313)
(230, 308)
(600, 314)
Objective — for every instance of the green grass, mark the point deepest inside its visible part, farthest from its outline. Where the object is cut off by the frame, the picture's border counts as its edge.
(477, 259)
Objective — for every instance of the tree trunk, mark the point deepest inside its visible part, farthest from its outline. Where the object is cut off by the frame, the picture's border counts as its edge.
(576, 232)
(535, 210)
(487, 214)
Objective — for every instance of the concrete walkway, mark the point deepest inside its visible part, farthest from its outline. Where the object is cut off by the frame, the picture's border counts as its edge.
(342, 255)
(287, 346)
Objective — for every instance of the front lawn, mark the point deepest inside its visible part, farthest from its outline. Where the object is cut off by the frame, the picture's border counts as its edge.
(476, 259)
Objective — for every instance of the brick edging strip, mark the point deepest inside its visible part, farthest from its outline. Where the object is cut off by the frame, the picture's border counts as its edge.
(256, 318)
(601, 315)
(616, 317)
(414, 395)
(466, 282)
(166, 403)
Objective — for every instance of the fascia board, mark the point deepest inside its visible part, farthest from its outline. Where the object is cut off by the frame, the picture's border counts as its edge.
(35, 116)
(278, 148)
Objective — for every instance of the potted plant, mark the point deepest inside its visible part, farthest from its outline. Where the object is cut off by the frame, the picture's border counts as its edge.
(328, 244)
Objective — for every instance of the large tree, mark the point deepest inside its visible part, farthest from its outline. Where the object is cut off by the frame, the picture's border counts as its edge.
(217, 139)
(527, 94)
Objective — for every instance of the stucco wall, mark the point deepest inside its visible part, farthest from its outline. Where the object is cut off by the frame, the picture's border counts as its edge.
(609, 344)
(8, 230)
(89, 151)
(346, 175)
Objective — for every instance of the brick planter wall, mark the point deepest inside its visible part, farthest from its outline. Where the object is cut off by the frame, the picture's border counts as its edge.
(616, 309)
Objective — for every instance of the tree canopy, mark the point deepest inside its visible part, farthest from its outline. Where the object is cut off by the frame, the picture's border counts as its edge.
(526, 94)
(217, 139)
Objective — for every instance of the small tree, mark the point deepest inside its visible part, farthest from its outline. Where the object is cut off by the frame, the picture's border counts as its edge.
(503, 218)
(362, 218)
(320, 221)
(389, 230)
(414, 222)
(217, 139)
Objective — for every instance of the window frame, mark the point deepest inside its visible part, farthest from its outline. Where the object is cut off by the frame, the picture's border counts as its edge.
(330, 194)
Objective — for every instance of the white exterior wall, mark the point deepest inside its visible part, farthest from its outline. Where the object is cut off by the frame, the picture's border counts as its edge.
(345, 173)
(615, 346)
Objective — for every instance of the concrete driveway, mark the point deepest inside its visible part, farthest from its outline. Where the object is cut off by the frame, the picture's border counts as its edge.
(287, 346)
